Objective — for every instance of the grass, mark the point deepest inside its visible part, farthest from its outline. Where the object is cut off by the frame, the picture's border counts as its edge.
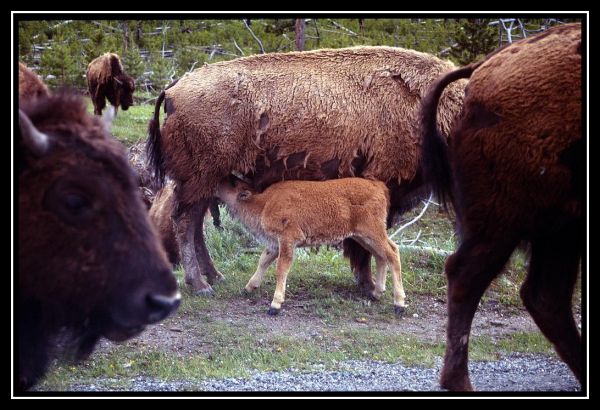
(130, 126)
(237, 353)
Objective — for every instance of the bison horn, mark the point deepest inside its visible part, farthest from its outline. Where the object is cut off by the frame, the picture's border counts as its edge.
(36, 141)
(109, 116)
(118, 81)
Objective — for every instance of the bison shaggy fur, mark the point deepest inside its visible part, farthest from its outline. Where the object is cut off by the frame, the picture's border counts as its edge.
(513, 169)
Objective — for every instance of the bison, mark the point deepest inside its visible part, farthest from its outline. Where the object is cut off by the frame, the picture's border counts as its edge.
(290, 214)
(90, 263)
(314, 115)
(30, 86)
(513, 170)
(106, 79)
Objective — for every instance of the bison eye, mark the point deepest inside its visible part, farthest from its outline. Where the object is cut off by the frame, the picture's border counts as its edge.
(71, 202)
(76, 204)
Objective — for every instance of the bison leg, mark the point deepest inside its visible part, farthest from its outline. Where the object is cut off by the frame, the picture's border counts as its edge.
(547, 294)
(392, 255)
(185, 230)
(214, 212)
(360, 262)
(284, 262)
(266, 259)
(470, 270)
(204, 261)
(99, 101)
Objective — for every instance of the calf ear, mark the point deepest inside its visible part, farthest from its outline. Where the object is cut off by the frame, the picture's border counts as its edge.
(33, 140)
(244, 195)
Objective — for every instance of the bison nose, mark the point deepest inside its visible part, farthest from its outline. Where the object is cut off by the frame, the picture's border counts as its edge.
(161, 306)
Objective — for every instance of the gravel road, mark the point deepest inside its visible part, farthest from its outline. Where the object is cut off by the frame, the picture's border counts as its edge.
(513, 373)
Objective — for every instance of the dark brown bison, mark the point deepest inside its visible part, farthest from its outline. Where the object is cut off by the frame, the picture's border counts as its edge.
(30, 86)
(106, 79)
(90, 262)
(513, 170)
(314, 115)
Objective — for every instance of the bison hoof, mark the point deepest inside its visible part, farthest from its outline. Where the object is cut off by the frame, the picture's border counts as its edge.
(205, 292)
(273, 312)
(373, 298)
(399, 310)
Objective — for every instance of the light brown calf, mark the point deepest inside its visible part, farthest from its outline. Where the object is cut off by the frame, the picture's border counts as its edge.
(290, 214)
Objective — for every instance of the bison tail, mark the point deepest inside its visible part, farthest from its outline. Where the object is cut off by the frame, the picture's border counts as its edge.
(154, 152)
(434, 147)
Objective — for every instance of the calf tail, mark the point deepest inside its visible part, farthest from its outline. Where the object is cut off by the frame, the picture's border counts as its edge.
(434, 148)
(154, 154)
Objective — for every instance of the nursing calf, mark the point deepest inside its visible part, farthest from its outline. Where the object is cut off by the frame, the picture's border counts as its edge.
(290, 214)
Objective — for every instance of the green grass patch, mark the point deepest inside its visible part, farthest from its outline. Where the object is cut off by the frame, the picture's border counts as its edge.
(129, 126)
(236, 351)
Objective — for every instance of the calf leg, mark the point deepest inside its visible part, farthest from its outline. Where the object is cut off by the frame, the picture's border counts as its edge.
(284, 262)
(266, 259)
(184, 234)
(204, 261)
(547, 294)
(392, 255)
(470, 271)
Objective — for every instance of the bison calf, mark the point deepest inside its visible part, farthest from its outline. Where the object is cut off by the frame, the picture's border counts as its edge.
(305, 213)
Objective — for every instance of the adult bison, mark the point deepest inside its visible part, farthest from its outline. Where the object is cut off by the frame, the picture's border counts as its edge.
(106, 79)
(90, 263)
(513, 169)
(30, 86)
(314, 115)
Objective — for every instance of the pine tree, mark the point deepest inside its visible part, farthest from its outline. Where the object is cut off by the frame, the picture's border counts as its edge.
(474, 40)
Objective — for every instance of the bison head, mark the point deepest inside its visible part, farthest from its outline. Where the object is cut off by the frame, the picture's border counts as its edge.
(124, 88)
(90, 263)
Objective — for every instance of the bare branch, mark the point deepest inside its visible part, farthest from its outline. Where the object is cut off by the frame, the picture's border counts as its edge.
(193, 65)
(414, 220)
(337, 25)
(430, 249)
(238, 47)
(260, 45)
(412, 242)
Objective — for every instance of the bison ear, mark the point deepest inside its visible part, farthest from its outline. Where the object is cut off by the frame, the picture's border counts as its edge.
(35, 141)
(108, 117)
(244, 195)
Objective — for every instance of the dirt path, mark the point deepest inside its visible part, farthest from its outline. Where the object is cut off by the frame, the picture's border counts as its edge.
(427, 322)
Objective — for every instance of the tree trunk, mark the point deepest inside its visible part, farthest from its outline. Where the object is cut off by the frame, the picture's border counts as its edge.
(125, 27)
(300, 34)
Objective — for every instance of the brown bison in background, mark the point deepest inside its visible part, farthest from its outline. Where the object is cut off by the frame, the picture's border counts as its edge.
(513, 169)
(314, 115)
(30, 86)
(106, 79)
(90, 262)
